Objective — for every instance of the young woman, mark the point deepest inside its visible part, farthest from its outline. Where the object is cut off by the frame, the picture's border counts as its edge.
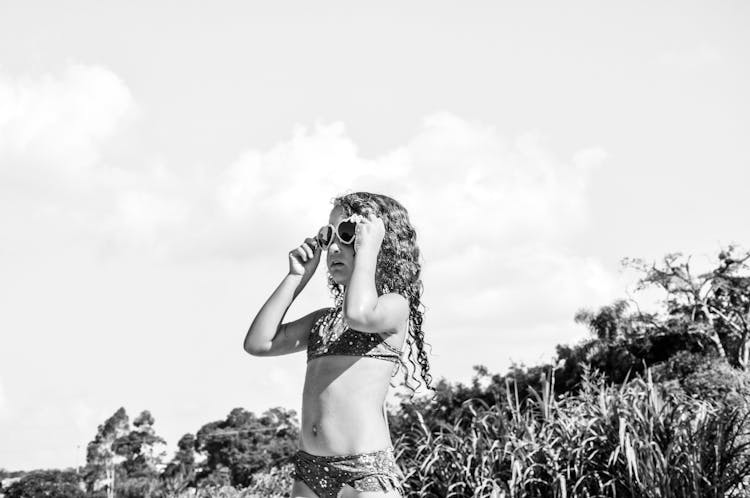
(353, 348)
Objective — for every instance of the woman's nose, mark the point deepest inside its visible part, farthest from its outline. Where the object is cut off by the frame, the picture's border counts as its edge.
(334, 245)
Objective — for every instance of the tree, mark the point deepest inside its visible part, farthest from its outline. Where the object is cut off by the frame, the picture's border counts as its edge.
(99, 473)
(624, 344)
(180, 472)
(47, 483)
(245, 444)
(141, 447)
(141, 450)
(609, 323)
(715, 304)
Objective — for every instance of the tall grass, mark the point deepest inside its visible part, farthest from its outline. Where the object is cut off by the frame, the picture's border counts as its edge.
(635, 440)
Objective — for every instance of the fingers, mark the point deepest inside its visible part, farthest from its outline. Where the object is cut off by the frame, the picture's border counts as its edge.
(313, 243)
(298, 253)
(370, 219)
(304, 252)
(358, 218)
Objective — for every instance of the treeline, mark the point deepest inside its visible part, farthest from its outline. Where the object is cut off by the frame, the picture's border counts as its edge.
(128, 460)
(651, 404)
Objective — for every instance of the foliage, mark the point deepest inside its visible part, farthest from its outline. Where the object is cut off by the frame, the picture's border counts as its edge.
(276, 483)
(48, 483)
(632, 440)
(180, 472)
(445, 404)
(621, 358)
(715, 304)
(100, 458)
(140, 448)
(243, 444)
(5, 474)
(125, 459)
(705, 377)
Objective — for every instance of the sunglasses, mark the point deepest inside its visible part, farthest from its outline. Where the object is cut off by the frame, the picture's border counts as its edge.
(345, 231)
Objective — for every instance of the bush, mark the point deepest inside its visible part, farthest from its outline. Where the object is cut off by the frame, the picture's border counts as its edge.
(47, 483)
(705, 377)
(276, 483)
(637, 439)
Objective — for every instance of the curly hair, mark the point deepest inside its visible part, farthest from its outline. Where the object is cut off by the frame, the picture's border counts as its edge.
(398, 269)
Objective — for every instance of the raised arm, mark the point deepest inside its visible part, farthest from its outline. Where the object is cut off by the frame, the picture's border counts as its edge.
(267, 335)
(364, 310)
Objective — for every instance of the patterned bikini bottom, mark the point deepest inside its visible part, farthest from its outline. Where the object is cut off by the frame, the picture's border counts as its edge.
(327, 475)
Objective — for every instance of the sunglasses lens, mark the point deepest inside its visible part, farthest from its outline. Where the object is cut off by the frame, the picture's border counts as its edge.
(324, 236)
(346, 231)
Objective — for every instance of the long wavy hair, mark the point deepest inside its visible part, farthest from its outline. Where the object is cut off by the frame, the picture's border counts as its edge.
(398, 269)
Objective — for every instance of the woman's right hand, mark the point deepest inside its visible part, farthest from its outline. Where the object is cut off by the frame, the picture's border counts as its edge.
(303, 260)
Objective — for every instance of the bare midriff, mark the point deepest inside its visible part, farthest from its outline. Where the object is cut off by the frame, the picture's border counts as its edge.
(342, 405)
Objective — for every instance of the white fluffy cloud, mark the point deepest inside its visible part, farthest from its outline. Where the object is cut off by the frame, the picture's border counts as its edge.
(467, 187)
(477, 187)
(60, 120)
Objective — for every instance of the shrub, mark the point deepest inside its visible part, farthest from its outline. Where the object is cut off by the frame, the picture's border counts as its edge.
(705, 377)
(48, 483)
(276, 483)
(638, 439)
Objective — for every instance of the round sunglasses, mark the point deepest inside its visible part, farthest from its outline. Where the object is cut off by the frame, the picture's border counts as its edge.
(345, 230)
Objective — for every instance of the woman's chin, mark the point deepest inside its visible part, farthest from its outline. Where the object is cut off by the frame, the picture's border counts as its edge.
(340, 279)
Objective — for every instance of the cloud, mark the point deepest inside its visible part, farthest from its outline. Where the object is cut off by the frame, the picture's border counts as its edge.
(489, 188)
(517, 287)
(54, 129)
(493, 191)
(59, 121)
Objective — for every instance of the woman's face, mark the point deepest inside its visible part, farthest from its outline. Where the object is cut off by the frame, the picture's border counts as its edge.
(340, 258)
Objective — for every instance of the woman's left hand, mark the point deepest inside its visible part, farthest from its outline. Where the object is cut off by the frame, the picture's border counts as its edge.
(369, 233)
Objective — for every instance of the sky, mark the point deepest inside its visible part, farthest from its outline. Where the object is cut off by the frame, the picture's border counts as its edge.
(158, 161)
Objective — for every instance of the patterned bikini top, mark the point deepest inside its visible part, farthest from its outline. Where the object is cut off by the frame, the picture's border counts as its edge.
(331, 336)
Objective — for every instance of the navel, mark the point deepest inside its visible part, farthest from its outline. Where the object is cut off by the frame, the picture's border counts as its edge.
(315, 430)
